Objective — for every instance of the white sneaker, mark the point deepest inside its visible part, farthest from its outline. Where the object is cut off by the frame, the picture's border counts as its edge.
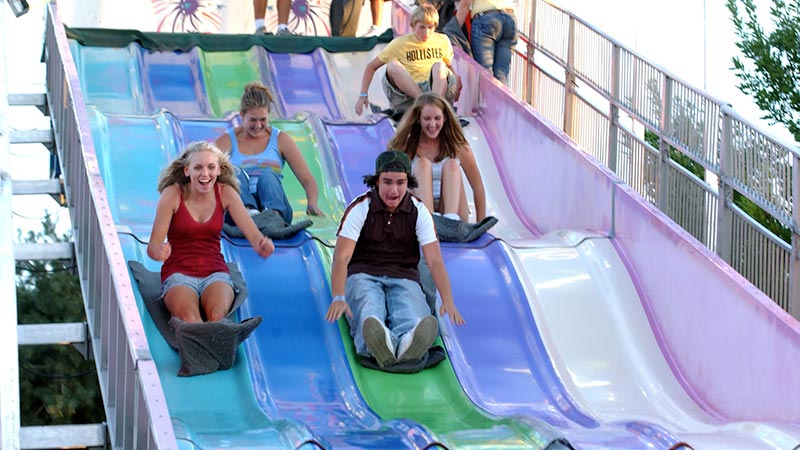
(373, 31)
(414, 344)
(379, 341)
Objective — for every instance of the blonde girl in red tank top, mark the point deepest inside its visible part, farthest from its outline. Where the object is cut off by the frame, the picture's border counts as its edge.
(196, 189)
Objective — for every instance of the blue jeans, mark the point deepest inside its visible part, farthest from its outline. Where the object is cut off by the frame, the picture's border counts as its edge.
(197, 284)
(398, 302)
(269, 193)
(493, 37)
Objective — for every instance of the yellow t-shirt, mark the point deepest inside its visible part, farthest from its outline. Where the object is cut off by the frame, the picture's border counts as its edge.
(418, 57)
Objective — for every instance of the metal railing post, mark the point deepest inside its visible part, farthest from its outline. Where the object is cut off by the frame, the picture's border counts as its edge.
(569, 81)
(613, 111)
(725, 191)
(663, 147)
(794, 264)
(530, 50)
(9, 367)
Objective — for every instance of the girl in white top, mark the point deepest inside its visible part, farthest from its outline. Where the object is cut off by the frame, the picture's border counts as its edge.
(431, 136)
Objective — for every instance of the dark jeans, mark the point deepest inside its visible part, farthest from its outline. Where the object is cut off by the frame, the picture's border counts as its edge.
(493, 38)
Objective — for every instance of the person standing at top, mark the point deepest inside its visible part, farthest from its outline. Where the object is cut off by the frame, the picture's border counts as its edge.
(196, 190)
(493, 34)
(260, 151)
(260, 10)
(430, 135)
(415, 63)
(376, 11)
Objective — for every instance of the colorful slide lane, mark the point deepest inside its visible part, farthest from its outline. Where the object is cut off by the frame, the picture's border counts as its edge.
(546, 350)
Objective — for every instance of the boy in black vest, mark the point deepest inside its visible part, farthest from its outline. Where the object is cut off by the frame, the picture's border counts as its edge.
(374, 278)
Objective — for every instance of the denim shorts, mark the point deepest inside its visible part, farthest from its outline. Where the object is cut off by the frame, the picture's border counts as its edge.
(400, 101)
(195, 283)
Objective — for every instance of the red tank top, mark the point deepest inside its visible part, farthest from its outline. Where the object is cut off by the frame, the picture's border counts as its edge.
(195, 245)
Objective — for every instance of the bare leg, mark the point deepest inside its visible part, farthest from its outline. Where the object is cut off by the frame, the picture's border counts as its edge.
(284, 6)
(439, 73)
(376, 7)
(182, 302)
(217, 300)
(402, 80)
(451, 187)
(424, 176)
(463, 206)
(259, 8)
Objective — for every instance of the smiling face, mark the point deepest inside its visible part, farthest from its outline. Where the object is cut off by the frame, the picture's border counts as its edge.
(202, 170)
(423, 30)
(431, 120)
(392, 187)
(255, 122)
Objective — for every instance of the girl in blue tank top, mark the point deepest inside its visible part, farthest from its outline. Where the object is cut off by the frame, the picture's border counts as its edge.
(260, 151)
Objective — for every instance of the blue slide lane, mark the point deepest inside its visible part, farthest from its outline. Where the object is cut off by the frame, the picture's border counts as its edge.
(299, 366)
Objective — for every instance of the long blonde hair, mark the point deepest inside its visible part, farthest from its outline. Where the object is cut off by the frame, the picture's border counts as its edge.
(173, 173)
(451, 137)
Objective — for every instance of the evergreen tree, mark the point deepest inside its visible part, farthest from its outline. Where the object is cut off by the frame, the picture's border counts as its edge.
(57, 384)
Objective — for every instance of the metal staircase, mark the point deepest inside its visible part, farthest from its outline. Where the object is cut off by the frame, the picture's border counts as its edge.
(12, 435)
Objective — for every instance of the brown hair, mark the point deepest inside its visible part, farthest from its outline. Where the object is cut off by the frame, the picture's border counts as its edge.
(255, 95)
(173, 173)
(451, 137)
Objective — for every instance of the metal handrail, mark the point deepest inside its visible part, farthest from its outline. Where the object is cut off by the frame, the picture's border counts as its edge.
(608, 98)
(135, 404)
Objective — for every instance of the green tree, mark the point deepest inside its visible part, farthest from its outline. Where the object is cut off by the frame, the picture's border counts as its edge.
(770, 72)
(57, 384)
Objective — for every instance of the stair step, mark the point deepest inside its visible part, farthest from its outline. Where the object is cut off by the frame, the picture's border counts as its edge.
(27, 99)
(35, 187)
(51, 333)
(31, 136)
(42, 252)
(63, 436)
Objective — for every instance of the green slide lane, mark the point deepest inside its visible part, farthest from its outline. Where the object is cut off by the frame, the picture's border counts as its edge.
(226, 74)
(329, 202)
(434, 398)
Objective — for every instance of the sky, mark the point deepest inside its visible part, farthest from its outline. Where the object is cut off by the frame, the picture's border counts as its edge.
(21, 38)
(672, 35)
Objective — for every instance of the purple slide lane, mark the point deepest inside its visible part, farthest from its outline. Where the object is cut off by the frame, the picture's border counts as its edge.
(697, 328)
(302, 84)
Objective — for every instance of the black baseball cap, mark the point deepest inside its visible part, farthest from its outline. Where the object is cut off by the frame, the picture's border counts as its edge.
(392, 161)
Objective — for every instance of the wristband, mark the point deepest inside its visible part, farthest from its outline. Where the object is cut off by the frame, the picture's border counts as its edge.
(363, 94)
(338, 298)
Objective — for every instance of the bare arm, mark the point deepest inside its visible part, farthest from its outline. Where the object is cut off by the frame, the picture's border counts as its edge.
(233, 203)
(433, 256)
(297, 163)
(224, 143)
(463, 12)
(470, 166)
(168, 203)
(366, 80)
(341, 258)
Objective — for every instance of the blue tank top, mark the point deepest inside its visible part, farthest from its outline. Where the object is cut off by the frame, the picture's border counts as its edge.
(255, 165)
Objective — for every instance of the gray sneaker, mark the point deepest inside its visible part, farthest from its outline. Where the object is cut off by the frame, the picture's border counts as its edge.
(261, 30)
(378, 340)
(416, 342)
(284, 32)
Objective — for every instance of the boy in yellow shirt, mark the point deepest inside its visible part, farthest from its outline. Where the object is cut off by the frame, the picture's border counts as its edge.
(415, 63)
